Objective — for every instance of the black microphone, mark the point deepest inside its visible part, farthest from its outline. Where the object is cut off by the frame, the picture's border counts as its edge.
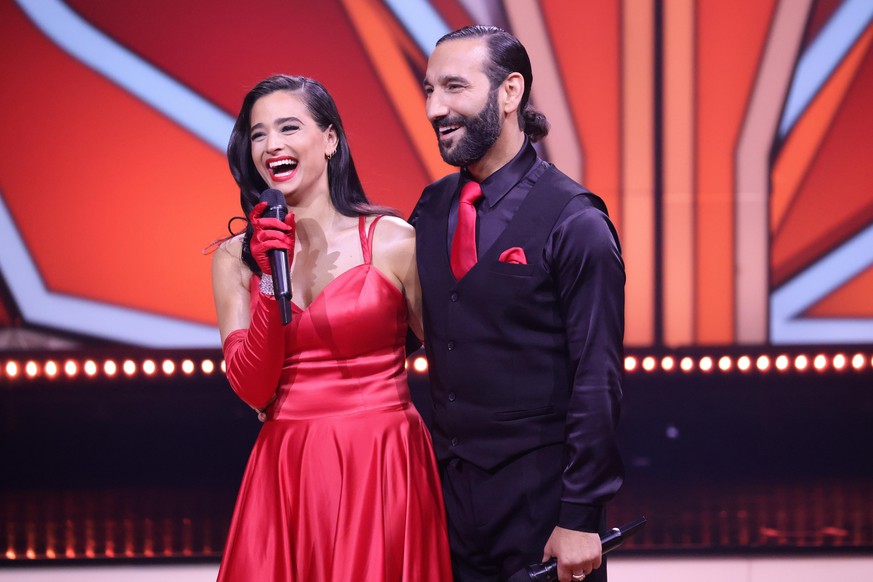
(276, 208)
(548, 571)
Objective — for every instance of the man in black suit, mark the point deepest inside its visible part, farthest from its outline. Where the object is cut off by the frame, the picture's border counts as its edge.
(524, 320)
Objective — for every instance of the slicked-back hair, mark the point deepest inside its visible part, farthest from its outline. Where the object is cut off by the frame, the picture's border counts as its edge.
(346, 191)
(507, 56)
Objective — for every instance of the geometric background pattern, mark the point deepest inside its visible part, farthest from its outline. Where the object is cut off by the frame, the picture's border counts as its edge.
(731, 142)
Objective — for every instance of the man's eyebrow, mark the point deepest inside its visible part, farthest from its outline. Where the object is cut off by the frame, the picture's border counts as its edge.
(445, 79)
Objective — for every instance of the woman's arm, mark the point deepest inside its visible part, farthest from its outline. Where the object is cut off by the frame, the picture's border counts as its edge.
(251, 335)
(230, 288)
(394, 255)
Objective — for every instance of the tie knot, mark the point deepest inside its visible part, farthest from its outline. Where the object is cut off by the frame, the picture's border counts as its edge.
(471, 193)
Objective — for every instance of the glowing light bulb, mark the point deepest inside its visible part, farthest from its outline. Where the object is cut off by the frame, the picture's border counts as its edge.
(763, 363)
(71, 368)
(801, 362)
(782, 363)
(687, 364)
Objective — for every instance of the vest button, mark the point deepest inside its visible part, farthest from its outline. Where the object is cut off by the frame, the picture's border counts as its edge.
(454, 441)
(451, 397)
(454, 296)
(451, 346)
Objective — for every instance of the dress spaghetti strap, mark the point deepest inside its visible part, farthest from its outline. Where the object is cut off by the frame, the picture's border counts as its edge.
(367, 238)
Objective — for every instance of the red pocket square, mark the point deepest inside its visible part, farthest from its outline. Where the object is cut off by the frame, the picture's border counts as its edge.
(515, 255)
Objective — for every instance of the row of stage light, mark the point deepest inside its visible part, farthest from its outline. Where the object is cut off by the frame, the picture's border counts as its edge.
(107, 368)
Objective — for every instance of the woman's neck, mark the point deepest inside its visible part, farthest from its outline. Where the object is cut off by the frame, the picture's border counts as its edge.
(317, 217)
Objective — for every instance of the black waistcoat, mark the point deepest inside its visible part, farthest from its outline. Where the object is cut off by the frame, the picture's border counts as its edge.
(495, 341)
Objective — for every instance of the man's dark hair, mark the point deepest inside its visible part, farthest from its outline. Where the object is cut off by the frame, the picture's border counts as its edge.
(508, 56)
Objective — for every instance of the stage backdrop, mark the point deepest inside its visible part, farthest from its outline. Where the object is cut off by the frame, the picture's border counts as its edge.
(732, 142)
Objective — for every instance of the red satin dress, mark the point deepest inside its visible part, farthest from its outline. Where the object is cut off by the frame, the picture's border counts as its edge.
(342, 483)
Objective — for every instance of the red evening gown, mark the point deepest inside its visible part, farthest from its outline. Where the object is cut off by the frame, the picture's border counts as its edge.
(342, 483)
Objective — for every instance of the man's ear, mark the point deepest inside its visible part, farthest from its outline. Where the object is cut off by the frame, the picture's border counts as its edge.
(513, 87)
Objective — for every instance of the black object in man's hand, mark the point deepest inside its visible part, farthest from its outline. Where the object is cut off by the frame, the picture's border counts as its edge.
(548, 571)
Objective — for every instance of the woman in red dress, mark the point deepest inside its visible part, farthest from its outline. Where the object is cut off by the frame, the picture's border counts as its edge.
(341, 483)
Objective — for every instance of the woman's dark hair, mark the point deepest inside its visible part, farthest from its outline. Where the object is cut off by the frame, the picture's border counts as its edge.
(507, 56)
(346, 191)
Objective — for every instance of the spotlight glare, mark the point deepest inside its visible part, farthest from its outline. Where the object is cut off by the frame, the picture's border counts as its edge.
(706, 363)
(648, 363)
(419, 364)
(110, 368)
(188, 367)
(820, 362)
(129, 367)
(149, 367)
(744, 363)
(858, 361)
(12, 369)
(90, 368)
(223, 366)
(31, 369)
(839, 362)
(51, 369)
(724, 363)
(630, 363)
(168, 367)
(208, 366)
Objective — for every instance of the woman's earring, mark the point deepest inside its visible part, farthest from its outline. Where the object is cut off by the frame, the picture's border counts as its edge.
(330, 155)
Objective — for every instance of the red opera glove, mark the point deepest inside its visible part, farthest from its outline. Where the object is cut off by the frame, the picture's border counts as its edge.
(254, 357)
(270, 234)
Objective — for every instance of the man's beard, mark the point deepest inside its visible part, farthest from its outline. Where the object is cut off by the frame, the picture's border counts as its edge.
(480, 134)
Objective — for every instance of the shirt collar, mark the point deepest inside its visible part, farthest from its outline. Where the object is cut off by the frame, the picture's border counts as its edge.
(498, 184)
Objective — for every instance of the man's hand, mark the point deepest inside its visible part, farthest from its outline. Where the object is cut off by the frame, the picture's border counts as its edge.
(578, 552)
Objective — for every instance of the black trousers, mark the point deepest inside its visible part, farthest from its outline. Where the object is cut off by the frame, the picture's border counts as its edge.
(499, 521)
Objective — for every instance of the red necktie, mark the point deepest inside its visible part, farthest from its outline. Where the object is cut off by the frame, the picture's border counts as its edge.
(464, 241)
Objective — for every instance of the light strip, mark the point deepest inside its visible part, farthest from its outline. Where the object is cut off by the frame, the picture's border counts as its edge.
(822, 57)
(421, 20)
(29, 369)
(787, 304)
(82, 316)
(89, 45)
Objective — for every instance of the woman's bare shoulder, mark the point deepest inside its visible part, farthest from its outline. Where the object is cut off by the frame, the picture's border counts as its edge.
(392, 229)
(229, 251)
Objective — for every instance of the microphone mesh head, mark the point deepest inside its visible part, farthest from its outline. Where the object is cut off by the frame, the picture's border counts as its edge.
(272, 197)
